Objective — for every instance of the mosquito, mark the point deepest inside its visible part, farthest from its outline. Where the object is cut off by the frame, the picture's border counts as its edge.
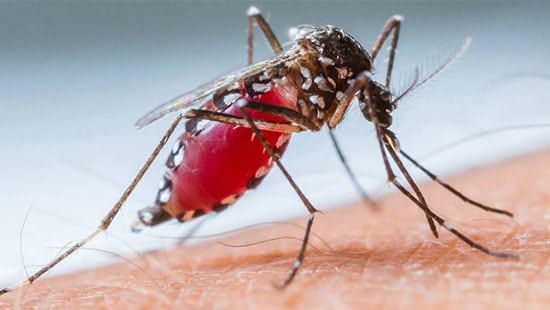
(238, 127)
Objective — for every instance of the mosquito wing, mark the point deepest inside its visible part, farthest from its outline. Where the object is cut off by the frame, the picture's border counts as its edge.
(196, 97)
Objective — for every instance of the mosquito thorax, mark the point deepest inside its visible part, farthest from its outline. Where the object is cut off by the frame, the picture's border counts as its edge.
(329, 60)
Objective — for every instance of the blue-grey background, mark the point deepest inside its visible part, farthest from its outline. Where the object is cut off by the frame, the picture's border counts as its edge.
(74, 77)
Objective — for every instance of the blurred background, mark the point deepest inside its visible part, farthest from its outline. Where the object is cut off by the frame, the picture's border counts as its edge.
(74, 77)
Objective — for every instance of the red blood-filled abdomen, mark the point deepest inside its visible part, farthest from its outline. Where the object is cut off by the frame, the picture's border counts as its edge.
(223, 161)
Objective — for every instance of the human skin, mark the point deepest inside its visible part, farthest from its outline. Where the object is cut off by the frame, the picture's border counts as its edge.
(375, 259)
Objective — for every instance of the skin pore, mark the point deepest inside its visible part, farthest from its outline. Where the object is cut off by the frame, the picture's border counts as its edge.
(377, 259)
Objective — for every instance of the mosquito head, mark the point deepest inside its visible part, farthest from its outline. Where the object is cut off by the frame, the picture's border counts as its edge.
(377, 106)
(381, 103)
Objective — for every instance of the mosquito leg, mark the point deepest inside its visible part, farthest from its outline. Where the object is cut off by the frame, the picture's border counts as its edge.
(108, 219)
(393, 179)
(255, 17)
(393, 24)
(295, 121)
(389, 143)
(286, 113)
(360, 82)
(240, 121)
(454, 190)
(312, 210)
(365, 197)
(363, 81)
(300, 258)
